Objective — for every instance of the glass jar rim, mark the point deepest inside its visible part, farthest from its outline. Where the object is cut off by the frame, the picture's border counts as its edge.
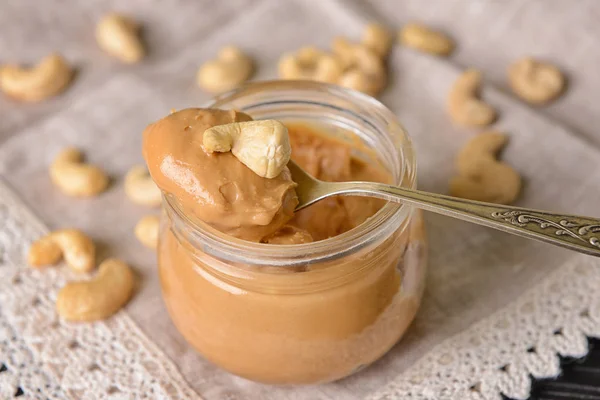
(377, 227)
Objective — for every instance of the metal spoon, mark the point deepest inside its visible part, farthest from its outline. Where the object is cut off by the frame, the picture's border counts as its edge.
(572, 232)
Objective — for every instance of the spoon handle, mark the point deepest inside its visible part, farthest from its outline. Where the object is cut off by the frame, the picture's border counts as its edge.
(570, 231)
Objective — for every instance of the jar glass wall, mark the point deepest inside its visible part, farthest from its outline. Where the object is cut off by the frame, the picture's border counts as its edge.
(311, 312)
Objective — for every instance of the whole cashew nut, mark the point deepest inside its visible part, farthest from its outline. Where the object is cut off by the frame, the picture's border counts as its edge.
(118, 36)
(358, 80)
(464, 106)
(364, 70)
(345, 51)
(75, 246)
(534, 81)
(263, 146)
(421, 37)
(100, 297)
(146, 230)
(481, 176)
(140, 188)
(310, 63)
(49, 78)
(377, 38)
(74, 177)
(231, 68)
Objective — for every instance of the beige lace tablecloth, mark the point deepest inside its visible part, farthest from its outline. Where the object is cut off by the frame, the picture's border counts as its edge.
(496, 308)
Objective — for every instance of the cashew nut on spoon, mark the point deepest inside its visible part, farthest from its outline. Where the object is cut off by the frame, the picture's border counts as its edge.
(76, 178)
(230, 69)
(481, 176)
(75, 246)
(118, 35)
(49, 78)
(263, 146)
(100, 297)
(140, 188)
(464, 105)
(534, 81)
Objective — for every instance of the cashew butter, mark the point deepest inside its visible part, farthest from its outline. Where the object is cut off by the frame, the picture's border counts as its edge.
(270, 317)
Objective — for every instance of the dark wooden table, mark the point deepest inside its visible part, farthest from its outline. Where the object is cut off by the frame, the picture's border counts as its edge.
(580, 379)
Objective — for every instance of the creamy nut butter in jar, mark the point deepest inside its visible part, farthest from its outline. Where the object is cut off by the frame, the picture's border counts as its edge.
(347, 289)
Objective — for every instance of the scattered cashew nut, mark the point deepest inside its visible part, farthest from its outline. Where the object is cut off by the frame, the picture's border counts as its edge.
(74, 177)
(146, 230)
(140, 188)
(423, 38)
(377, 38)
(100, 297)
(263, 146)
(464, 106)
(364, 70)
(231, 68)
(118, 36)
(48, 78)
(310, 63)
(75, 246)
(534, 81)
(344, 50)
(481, 176)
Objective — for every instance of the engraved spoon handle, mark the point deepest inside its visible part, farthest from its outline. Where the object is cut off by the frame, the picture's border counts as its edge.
(573, 232)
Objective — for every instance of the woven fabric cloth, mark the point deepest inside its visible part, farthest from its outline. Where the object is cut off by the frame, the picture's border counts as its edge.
(496, 309)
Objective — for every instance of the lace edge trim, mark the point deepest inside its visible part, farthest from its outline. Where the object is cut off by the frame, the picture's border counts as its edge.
(497, 355)
(124, 324)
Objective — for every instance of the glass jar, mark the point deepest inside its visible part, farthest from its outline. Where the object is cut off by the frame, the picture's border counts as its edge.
(306, 313)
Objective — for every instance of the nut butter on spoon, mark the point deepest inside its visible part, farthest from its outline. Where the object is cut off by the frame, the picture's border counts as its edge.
(215, 187)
